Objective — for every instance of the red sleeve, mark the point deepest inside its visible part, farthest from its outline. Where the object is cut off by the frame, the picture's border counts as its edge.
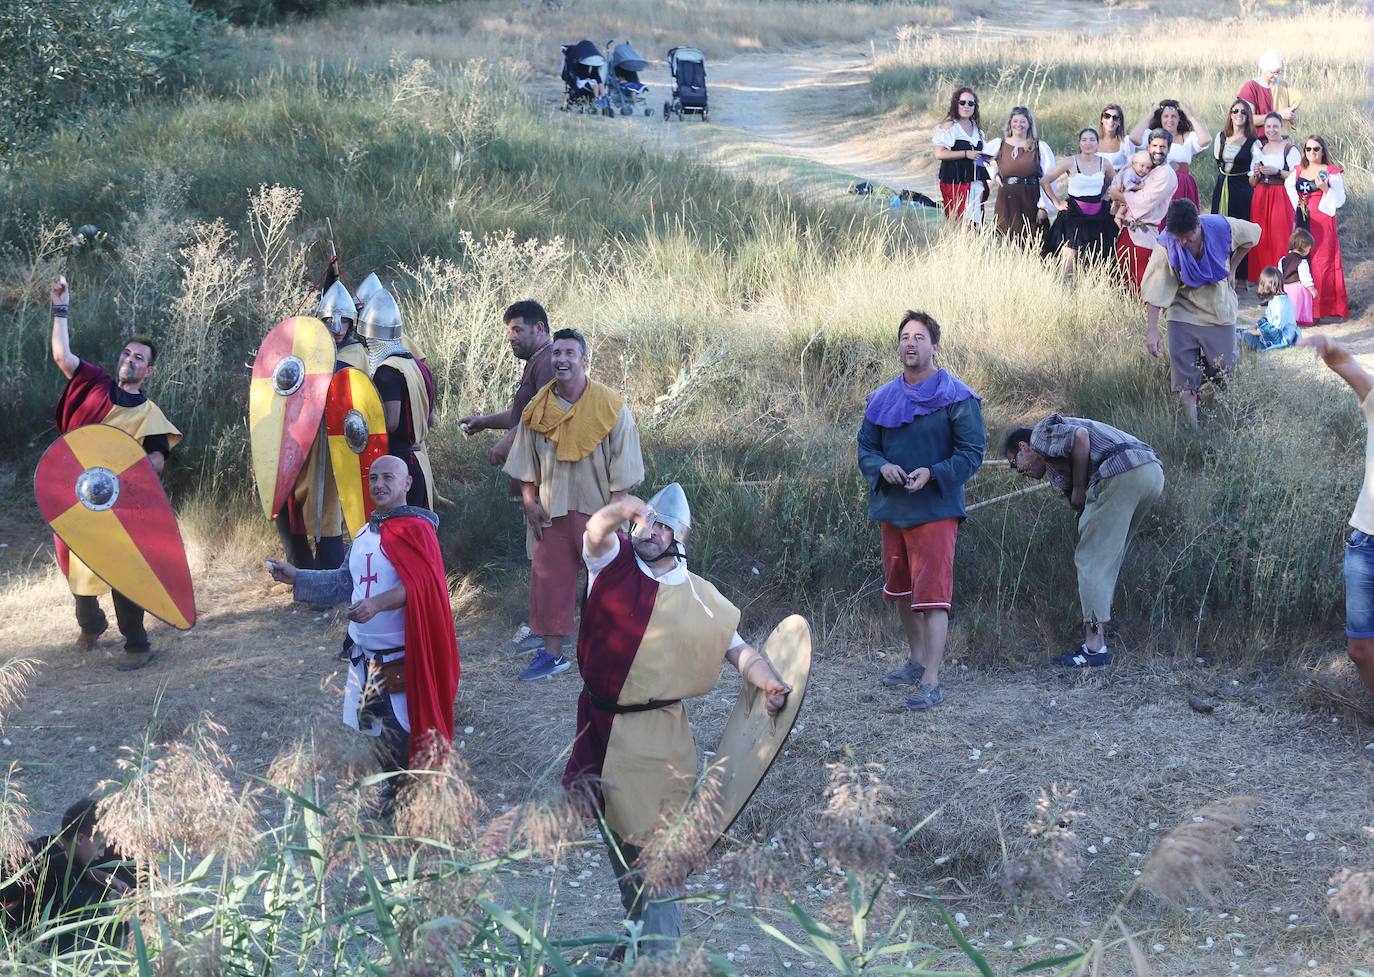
(86, 398)
(431, 664)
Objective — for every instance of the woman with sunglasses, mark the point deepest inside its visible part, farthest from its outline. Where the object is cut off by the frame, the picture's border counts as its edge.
(1316, 189)
(1232, 149)
(1113, 143)
(1273, 159)
(1181, 121)
(1019, 160)
(958, 144)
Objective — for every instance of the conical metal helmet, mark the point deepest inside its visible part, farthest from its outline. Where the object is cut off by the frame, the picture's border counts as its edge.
(381, 319)
(669, 506)
(371, 286)
(336, 305)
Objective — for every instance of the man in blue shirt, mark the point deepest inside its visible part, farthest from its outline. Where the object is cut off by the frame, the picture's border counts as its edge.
(922, 438)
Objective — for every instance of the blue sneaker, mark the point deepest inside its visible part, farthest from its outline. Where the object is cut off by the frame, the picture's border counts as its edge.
(1083, 658)
(544, 665)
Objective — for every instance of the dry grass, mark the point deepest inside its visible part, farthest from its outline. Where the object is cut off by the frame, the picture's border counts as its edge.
(532, 31)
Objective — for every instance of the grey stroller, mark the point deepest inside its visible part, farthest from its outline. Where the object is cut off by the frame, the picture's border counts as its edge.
(623, 87)
(687, 66)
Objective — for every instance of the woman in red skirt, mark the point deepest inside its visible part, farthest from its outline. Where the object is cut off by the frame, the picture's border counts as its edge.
(958, 144)
(1316, 190)
(1272, 159)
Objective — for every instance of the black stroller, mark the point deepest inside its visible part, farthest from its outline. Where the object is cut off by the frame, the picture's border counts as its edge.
(687, 65)
(584, 74)
(624, 90)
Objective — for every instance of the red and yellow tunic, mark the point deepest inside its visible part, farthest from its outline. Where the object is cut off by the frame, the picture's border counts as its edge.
(644, 639)
(93, 397)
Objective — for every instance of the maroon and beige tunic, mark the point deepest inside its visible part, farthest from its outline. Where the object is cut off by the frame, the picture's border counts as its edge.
(644, 639)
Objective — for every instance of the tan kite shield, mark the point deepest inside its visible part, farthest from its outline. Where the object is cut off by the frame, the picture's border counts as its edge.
(752, 739)
(356, 426)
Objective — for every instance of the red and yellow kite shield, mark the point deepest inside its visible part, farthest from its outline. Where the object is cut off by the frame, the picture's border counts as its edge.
(356, 426)
(98, 491)
(285, 401)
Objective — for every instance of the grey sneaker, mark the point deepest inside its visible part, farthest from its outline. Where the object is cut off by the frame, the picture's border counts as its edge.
(925, 697)
(908, 674)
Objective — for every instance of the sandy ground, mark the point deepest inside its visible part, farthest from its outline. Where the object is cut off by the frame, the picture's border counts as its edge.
(1140, 757)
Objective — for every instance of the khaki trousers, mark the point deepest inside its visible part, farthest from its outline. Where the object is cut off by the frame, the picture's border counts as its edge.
(1116, 506)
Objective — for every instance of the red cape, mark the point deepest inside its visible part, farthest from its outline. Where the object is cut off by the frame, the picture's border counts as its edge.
(431, 660)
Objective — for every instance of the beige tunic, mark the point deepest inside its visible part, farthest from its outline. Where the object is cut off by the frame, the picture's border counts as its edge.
(418, 395)
(651, 759)
(1210, 305)
(585, 485)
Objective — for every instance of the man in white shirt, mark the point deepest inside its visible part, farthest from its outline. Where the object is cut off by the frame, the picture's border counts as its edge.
(397, 594)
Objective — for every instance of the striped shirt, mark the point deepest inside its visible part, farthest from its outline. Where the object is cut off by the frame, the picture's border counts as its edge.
(1110, 451)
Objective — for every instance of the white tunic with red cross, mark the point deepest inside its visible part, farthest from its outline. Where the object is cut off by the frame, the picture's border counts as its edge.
(373, 575)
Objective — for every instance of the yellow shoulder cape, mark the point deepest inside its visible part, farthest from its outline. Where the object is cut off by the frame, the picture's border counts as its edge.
(578, 430)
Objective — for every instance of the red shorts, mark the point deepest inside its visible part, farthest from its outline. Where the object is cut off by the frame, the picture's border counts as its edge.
(918, 564)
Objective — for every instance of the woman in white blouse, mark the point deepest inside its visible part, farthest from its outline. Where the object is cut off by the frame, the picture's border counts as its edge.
(1190, 137)
(1316, 189)
(1272, 159)
(958, 144)
(1018, 161)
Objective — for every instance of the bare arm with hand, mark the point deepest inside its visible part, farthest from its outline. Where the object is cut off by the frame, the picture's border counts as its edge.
(62, 354)
(1080, 461)
(758, 672)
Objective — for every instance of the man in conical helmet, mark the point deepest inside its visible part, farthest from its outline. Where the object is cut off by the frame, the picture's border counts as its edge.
(653, 633)
(406, 396)
(313, 512)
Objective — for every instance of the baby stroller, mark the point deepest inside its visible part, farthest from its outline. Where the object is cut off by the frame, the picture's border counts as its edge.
(584, 72)
(623, 87)
(687, 65)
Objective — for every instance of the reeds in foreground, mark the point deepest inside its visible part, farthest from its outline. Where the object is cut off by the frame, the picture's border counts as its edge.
(1196, 857)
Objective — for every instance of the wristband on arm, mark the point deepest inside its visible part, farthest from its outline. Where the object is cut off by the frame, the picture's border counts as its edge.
(60, 311)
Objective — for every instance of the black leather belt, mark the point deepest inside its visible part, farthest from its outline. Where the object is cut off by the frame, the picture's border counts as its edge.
(1021, 180)
(619, 710)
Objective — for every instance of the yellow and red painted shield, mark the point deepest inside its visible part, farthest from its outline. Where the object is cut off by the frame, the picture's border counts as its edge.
(98, 491)
(285, 402)
(356, 426)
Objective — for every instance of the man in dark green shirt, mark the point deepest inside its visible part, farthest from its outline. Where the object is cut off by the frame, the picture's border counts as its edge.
(922, 438)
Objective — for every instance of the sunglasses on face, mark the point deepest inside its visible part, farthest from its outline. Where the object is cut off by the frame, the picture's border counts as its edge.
(1313, 149)
(1239, 112)
(964, 101)
(1111, 115)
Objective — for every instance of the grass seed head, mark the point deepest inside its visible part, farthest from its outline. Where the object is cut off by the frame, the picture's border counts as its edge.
(1353, 901)
(1045, 863)
(855, 829)
(1198, 854)
(680, 844)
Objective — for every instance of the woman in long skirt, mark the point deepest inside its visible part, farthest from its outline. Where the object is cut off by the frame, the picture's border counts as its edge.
(1273, 159)
(1019, 160)
(1232, 150)
(1316, 190)
(1083, 229)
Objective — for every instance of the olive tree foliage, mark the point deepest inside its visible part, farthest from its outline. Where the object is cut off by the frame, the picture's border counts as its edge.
(62, 59)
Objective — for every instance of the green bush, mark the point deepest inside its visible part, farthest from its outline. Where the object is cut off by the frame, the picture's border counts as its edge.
(62, 59)
(271, 11)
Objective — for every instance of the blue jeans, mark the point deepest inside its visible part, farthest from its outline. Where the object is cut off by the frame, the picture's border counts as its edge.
(1359, 585)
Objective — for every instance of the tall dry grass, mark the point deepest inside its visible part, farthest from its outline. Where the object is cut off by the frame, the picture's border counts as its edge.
(1066, 78)
(532, 30)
